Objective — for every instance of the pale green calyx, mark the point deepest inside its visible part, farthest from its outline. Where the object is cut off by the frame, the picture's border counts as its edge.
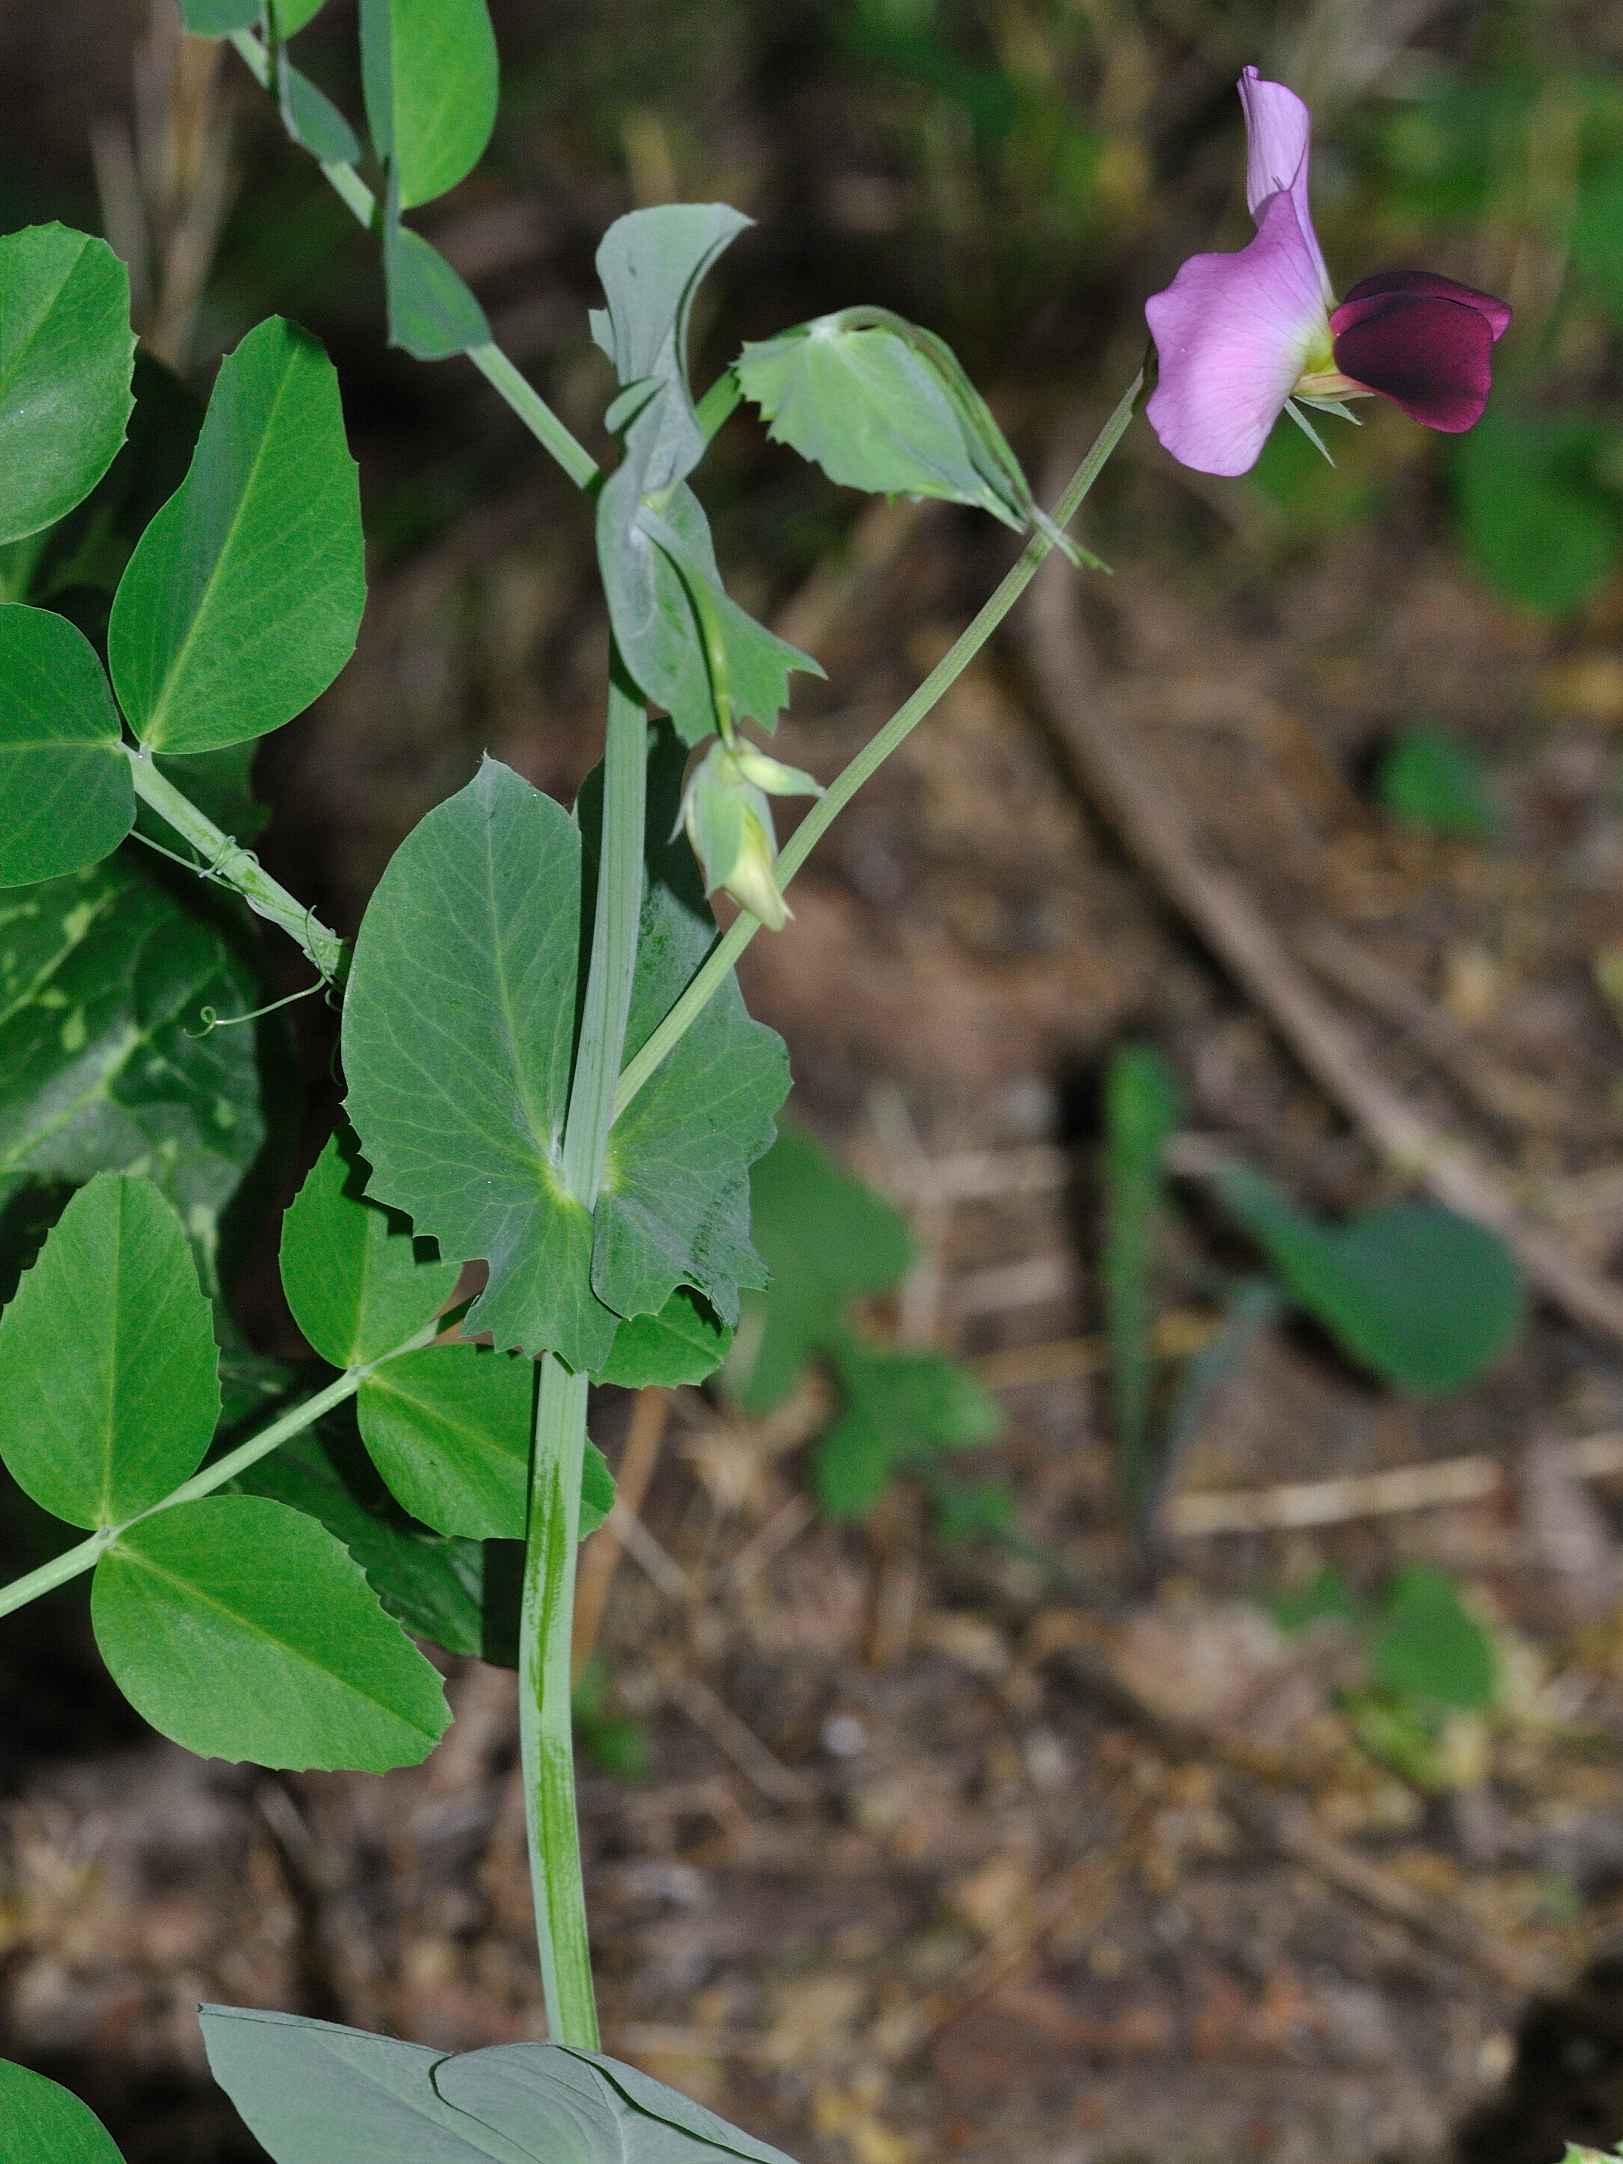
(727, 811)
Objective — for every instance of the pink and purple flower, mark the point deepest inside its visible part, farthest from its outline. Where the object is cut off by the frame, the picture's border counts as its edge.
(1244, 337)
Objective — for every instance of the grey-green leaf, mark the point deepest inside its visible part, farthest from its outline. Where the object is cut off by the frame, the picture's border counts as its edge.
(556, 2103)
(683, 1343)
(431, 77)
(66, 354)
(432, 314)
(109, 1376)
(448, 1428)
(311, 118)
(311, 2092)
(243, 597)
(872, 407)
(44, 2123)
(357, 1279)
(1424, 1297)
(458, 1036)
(66, 797)
(103, 1062)
(292, 15)
(242, 1630)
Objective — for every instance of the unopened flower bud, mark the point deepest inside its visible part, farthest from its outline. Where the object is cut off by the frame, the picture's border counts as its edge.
(727, 812)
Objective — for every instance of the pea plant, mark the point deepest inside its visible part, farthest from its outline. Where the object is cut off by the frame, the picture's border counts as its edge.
(549, 1069)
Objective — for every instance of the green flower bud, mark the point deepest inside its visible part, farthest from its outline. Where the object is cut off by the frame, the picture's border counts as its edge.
(727, 812)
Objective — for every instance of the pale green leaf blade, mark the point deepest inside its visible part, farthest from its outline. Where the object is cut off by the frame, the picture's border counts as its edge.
(683, 1343)
(66, 355)
(1428, 1645)
(357, 1279)
(46, 2124)
(448, 1429)
(109, 1376)
(241, 1629)
(1426, 1298)
(66, 796)
(827, 1240)
(558, 2103)
(596, 1489)
(900, 1406)
(458, 1036)
(675, 1203)
(432, 314)
(431, 77)
(459, 1594)
(104, 1066)
(311, 2092)
(243, 597)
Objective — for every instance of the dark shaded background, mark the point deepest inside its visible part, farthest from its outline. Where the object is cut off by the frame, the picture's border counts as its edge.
(947, 1852)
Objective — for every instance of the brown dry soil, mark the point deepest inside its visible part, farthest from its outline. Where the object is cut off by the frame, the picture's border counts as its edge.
(945, 1852)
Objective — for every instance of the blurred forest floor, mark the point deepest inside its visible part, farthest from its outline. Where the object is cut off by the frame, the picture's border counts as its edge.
(947, 1850)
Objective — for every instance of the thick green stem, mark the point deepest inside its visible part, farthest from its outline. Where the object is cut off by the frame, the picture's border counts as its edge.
(362, 203)
(718, 963)
(73, 1562)
(226, 860)
(546, 1725)
(546, 1721)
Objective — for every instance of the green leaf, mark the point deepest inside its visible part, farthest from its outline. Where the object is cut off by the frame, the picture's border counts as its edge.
(357, 1279)
(290, 16)
(243, 597)
(596, 1489)
(66, 796)
(700, 651)
(458, 1036)
(675, 1205)
(872, 403)
(1427, 1299)
(899, 1407)
(313, 2093)
(827, 1240)
(309, 115)
(432, 314)
(66, 353)
(675, 626)
(683, 1343)
(538, 2094)
(1142, 1108)
(1326, 1597)
(241, 1629)
(214, 18)
(1436, 784)
(430, 73)
(47, 2124)
(109, 1383)
(449, 1429)
(1538, 520)
(1430, 1646)
(103, 976)
(459, 1025)
(460, 1594)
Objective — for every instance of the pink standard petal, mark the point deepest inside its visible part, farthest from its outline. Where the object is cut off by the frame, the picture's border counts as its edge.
(1419, 285)
(1278, 129)
(1233, 333)
(1432, 357)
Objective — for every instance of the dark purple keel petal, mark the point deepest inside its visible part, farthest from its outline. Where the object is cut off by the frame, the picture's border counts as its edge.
(1430, 356)
(1419, 285)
